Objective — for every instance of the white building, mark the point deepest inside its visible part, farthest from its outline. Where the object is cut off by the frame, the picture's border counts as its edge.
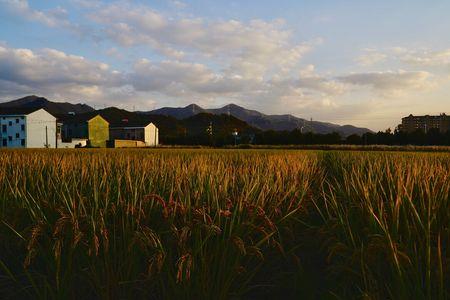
(136, 130)
(27, 128)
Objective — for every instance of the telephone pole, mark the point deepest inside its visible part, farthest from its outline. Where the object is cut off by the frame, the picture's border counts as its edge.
(46, 137)
(209, 131)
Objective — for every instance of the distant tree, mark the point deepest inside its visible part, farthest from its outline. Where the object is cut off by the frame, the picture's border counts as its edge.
(354, 139)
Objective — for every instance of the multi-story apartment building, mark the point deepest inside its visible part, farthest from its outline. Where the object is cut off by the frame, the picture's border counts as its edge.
(412, 123)
(27, 128)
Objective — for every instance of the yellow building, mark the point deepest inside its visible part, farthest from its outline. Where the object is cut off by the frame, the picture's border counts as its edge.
(88, 126)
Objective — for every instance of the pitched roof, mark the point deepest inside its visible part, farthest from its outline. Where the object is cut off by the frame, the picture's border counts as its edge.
(18, 111)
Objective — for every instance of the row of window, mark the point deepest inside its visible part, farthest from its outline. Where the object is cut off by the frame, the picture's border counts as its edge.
(4, 127)
(5, 141)
(17, 120)
(10, 122)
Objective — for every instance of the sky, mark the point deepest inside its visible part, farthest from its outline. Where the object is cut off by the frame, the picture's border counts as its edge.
(365, 63)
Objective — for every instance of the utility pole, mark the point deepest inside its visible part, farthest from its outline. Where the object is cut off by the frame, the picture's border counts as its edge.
(235, 134)
(209, 131)
(56, 136)
(46, 137)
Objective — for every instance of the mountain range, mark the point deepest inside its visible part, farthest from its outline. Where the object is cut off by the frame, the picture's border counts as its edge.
(261, 121)
(170, 117)
(55, 108)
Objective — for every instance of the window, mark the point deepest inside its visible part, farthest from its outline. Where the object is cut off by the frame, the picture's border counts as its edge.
(17, 121)
(22, 127)
(10, 138)
(5, 143)
(22, 142)
(17, 135)
(22, 118)
(4, 128)
(10, 123)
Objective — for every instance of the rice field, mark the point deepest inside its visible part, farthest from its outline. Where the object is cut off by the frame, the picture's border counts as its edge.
(221, 224)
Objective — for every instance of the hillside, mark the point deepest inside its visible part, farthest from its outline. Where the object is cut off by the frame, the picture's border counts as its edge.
(178, 112)
(262, 121)
(55, 108)
(182, 121)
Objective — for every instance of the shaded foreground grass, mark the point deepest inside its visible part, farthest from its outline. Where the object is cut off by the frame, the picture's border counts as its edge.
(220, 224)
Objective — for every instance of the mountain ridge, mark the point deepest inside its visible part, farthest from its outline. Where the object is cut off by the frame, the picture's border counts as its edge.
(55, 108)
(254, 118)
(262, 121)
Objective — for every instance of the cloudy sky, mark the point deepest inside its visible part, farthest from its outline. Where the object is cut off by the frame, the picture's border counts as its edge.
(366, 63)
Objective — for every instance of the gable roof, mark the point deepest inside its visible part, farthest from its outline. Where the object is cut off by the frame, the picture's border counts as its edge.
(18, 111)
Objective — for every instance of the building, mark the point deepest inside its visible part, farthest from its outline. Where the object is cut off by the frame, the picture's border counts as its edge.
(27, 128)
(412, 123)
(73, 143)
(135, 130)
(88, 126)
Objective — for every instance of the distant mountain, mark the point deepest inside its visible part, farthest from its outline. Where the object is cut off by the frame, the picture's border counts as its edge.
(55, 108)
(178, 112)
(167, 125)
(176, 120)
(221, 124)
(262, 121)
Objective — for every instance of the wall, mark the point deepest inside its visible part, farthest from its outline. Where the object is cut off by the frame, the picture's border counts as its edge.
(38, 124)
(132, 133)
(125, 144)
(75, 130)
(98, 129)
(151, 135)
(14, 136)
(72, 144)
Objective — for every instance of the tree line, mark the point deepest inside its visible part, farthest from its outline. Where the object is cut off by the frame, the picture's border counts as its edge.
(296, 137)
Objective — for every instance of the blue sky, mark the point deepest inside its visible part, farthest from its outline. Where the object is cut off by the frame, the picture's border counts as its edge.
(365, 63)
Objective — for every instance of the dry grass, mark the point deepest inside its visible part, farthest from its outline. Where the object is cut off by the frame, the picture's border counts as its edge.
(216, 224)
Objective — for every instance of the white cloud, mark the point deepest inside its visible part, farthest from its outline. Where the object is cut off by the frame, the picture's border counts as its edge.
(426, 57)
(248, 49)
(178, 4)
(52, 66)
(167, 76)
(407, 57)
(257, 63)
(57, 17)
(249, 58)
(50, 70)
(52, 18)
(87, 3)
(55, 73)
(371, 57)
(391, 82)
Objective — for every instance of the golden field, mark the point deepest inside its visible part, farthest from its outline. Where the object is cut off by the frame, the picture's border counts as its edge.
(220, 224)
